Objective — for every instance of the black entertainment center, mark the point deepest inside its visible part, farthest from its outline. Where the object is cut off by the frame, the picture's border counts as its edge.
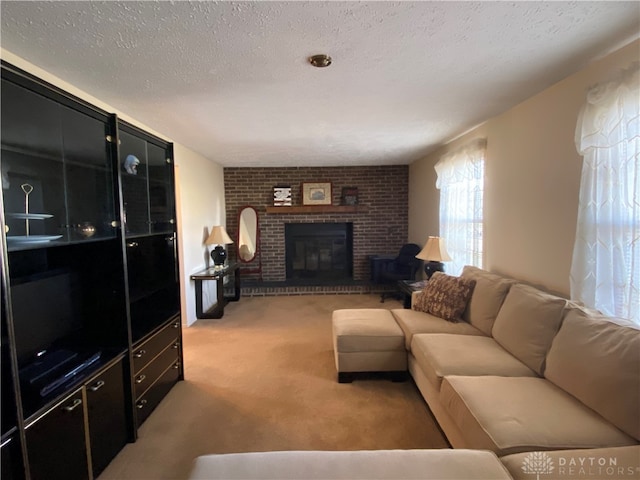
(91, 331)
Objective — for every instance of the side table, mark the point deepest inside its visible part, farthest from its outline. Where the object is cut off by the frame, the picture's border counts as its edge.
(407, 287)
(218, 275)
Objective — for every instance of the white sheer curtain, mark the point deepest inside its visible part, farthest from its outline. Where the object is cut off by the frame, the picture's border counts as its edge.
(461, 184)
(605, 271)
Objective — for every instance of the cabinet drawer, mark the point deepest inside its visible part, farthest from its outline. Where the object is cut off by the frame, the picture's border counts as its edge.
(149, 374)
(153, 396)
(107, 416)
(148, 350)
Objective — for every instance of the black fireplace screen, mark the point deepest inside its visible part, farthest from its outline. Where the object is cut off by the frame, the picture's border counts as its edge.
(319, 251)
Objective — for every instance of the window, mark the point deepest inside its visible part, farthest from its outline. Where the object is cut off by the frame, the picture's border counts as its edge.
(605, 269)
(461, 184)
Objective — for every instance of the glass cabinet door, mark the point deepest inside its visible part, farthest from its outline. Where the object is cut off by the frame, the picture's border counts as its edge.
(161, 196)
(147, 186)
(135, 194)
(57, 177)
(89, 177)
(32, 167)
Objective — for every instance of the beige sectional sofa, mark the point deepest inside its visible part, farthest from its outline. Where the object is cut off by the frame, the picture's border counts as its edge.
(521, 372)
(526, 371)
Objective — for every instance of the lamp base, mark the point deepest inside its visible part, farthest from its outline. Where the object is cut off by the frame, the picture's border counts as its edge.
(219, 255)
(432, 267)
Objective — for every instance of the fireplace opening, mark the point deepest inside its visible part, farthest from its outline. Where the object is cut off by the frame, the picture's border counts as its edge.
(319, 252)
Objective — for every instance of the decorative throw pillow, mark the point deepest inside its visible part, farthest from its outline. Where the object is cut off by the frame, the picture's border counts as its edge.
(445, 296)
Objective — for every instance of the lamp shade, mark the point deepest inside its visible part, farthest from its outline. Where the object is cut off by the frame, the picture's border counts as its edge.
(218, 236)
(434, 251)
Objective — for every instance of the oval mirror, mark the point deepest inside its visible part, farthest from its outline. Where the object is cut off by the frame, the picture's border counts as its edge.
(247, 234)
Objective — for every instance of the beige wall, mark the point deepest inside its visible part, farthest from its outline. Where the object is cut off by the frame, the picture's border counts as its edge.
(199, 190)
(200, 199)
(532, 179)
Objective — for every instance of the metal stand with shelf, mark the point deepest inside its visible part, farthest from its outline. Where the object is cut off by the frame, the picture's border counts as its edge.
(218, 275)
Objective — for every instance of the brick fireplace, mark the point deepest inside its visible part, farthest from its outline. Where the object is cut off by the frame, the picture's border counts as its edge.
(379, 225)
(318, 253)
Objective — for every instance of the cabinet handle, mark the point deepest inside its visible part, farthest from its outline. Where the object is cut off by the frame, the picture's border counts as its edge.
(140, 405)
(176, 365)
(176, 325)
(132, 244)
(115, 224)
(140, 379)
(76, 403)
(176, 345)
(140, 353)
(98, 385)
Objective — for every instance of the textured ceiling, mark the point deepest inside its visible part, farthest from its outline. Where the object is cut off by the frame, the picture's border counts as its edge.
(231, 81)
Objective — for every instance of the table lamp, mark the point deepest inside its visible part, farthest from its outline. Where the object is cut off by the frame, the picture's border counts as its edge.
(220, 238)
(433, 254)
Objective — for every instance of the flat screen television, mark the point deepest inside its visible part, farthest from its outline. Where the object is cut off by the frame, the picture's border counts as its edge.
(46, 310)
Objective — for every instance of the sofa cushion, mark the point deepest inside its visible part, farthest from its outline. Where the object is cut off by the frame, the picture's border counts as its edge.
(441, 354)
(597, 360)
(526, 324)
(595, 463)
(486, 299)
(445, 296)
(435, 464)
(366, 330)
(413, 322)
(519, 414)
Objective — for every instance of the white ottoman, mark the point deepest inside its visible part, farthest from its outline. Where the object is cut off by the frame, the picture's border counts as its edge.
(368, 340)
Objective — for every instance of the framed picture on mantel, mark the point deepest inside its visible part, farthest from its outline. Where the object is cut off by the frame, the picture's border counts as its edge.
(282, 196)
(349, 195)
(317, 193)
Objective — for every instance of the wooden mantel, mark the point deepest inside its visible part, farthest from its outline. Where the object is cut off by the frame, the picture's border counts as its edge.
(306, 209)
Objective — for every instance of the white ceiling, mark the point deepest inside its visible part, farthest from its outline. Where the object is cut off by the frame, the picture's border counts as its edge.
(231, 80)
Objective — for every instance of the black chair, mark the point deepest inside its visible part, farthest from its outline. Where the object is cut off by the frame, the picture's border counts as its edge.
(387, 271)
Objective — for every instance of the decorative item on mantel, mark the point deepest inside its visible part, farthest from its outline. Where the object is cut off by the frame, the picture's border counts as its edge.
(220, 238)
(349, 195)
(433, 254)
(282, 196)
(317, 193)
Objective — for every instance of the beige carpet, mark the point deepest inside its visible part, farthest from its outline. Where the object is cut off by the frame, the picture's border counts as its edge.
(263, 378)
